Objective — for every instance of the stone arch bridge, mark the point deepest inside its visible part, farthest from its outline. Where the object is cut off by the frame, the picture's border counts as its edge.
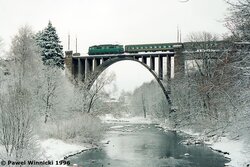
(157, 63)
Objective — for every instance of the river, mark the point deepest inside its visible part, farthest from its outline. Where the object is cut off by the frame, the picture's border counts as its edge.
(145, 145)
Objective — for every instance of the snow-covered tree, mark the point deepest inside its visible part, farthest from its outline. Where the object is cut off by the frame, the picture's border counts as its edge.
(52, 92)
(238, 21)
(52, 50)
(201, 95)
(24, 53)
(17, 107)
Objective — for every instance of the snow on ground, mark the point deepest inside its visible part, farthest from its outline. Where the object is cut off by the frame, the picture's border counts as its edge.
(56, 150)
(116, 127)
(238, 153)
(109, 118)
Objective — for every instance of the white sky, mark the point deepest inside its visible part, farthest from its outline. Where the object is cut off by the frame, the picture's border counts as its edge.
(113, 21)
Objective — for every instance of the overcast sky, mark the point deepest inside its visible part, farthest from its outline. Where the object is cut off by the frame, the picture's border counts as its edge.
(113, 21)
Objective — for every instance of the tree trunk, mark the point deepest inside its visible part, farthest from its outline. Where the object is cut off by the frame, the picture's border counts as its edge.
(144, 107)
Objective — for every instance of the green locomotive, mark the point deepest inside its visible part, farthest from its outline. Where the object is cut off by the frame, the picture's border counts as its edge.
(118, 49)
(105, 49)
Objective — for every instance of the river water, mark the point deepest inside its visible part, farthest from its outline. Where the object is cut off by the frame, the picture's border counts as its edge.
(143, 145)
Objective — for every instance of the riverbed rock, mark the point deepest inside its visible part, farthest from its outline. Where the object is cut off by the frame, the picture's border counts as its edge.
(191, 141)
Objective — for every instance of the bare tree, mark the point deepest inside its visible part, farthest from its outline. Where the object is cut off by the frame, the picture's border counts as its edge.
(206, 95)
(87, 95)
(238, 20)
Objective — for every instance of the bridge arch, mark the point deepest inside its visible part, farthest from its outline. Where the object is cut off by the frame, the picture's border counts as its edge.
(112, 61)
(88, 68)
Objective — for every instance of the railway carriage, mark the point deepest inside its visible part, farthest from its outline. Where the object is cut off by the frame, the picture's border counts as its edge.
(152, 47)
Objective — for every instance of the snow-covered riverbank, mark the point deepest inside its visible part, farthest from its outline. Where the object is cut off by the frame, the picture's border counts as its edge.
(56, 150)
(109, 118)
(238, 152)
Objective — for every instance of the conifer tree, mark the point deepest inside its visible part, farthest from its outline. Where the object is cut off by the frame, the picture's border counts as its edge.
(52, 50)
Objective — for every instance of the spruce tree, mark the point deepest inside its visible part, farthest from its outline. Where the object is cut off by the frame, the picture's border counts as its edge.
(52, 50)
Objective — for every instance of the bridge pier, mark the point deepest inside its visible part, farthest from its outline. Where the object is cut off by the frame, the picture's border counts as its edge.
(88, 67)
(152, 63)
(75, 68)
(144, 59)
(160, 67)
(95, 63)
(68, 63)
(80, 69)
(104, 59)
(169, 73)
(179, 64)
(169, 68)
(98, 62)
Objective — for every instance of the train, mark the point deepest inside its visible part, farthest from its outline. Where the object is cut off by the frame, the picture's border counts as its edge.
(119, 49)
